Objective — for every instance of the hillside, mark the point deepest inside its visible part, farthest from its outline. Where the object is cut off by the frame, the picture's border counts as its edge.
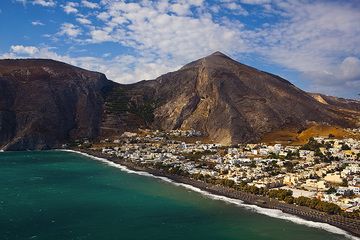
(232, 102)
(44, 103)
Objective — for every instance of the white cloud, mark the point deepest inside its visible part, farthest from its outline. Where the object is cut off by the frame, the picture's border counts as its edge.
(44, 3)
(27, 50)
(70, 30)
(83, 20)
(104, 16)
(147, 29)
(343, 78)
(37, 23)
(89, 4)
(100, 36)
(256, 1)
(120, 68)
(318, 39)
(234, 7)
(70, 7)
(180, 9)
(313, 39)
(350, 68)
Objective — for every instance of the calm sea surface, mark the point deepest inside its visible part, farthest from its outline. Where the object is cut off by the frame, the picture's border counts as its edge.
(60, 195)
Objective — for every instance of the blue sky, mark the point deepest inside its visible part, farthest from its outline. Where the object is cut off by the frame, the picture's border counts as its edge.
(313, 44)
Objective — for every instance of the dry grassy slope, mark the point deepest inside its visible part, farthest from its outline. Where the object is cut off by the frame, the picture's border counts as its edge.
(294, 137)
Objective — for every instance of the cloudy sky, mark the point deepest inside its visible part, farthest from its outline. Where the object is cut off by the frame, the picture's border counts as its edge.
(314, 44)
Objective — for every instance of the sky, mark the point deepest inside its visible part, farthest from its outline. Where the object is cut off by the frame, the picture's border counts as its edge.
(313, 44)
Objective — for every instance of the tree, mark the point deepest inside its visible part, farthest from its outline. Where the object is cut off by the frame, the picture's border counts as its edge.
(253, 164)
(311, 145)
(318, 153)
(303, 201)
(344, 183)
(331, 190)
(280, 194)
(331, 208)
(289, 199)
(345, 147)
(273, 155)
(289, 166)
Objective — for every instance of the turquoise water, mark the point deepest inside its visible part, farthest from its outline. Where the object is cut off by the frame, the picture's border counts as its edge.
(60, 195)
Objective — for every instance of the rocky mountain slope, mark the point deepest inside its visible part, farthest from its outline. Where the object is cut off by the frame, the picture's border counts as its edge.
(232, 102)
(44, 103)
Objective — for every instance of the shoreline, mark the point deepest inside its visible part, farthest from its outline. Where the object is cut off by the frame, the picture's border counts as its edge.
(263, 205)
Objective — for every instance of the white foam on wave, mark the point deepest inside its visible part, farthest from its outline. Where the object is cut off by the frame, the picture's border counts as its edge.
(275, 213)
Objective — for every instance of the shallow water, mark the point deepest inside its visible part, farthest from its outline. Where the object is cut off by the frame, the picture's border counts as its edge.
(61, 195)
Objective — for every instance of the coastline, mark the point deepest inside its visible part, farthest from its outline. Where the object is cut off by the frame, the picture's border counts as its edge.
(263, 205)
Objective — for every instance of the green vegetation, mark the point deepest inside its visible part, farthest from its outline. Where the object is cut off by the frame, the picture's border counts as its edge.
(314, 203)
(345, 147)
(292, 155)
(280, 194)
(195, 156)
(176, 170)
(289, 165)
(289, 199)
(331, 190)
(145, 111)
(331, 135)
(118, 102)
(225, 182)
(312, 145)
(315, 146)
(273, 156)
(253, 164)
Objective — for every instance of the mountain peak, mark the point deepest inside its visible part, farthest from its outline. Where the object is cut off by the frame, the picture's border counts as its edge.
(215, 58)
(218, 53)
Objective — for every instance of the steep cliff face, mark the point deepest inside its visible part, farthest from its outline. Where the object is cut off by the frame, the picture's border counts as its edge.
(44, 102)
(232, 102)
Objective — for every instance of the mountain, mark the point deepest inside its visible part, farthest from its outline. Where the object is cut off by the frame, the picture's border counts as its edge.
(232, 102)
(44, 103)
(341, 103)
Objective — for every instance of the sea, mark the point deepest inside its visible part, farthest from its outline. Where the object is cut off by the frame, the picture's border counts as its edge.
(67, 195)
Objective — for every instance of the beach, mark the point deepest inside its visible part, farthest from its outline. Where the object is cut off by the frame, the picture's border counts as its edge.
(307, 216)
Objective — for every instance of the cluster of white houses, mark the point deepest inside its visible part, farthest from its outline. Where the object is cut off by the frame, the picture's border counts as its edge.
(270, 166)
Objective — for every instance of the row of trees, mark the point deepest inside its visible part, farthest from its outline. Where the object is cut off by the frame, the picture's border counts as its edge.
(279, 194)
(284, 195)
(330, 208)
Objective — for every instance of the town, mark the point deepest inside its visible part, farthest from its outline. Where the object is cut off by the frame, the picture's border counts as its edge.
(324, 169)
